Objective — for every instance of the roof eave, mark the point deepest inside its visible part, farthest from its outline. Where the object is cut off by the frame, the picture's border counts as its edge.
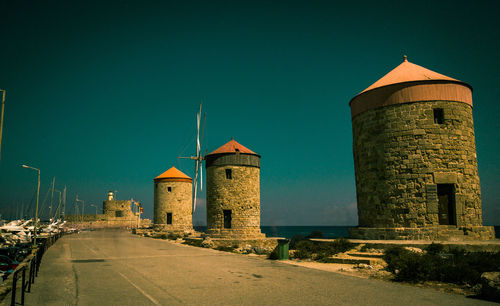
(416, 81)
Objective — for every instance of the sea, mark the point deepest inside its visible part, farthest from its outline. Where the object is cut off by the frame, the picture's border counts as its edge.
(328, 231)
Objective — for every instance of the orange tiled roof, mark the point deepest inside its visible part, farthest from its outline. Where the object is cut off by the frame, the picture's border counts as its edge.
(408, 72)
(172, 173)
(232, 147)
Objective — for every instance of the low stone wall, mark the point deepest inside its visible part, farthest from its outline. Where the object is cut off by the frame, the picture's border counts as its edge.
(442, 233)
(265, 243)
(110, 223)
(247, 233)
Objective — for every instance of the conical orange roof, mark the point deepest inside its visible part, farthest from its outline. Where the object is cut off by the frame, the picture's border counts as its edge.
(408, 72)
(408, 83)
(173, 173)
(232, 147)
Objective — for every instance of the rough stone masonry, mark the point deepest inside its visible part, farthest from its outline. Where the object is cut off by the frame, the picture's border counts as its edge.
(233, 193)
(415, 158)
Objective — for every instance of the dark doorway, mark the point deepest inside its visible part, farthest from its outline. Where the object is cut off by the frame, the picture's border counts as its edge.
(169, 218)
(446, 202)
(227, 219)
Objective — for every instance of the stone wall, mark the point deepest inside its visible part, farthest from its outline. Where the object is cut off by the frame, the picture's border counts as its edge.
(116, 208)
(116, 223)
(177, 201)
(400, 155)
(241, 195)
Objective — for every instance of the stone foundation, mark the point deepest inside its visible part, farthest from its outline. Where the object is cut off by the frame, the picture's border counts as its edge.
(441, 232)
(267, 244)
(236, 234)
(170, 228)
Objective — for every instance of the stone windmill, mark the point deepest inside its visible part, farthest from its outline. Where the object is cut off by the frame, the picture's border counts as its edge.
(415, 158)
(172, 201)
(233, 192)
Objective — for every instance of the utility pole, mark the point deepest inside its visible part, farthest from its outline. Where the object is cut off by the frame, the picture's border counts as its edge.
(1, 120)
(37, 196)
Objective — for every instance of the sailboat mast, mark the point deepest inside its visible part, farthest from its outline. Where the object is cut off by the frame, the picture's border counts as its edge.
(52, 197)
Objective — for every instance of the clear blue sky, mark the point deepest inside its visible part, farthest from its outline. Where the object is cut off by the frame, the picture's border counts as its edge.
(103, 94)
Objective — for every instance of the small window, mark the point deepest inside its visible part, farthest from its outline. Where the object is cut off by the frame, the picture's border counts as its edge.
(169, 189)
(229, 174)
(438, 116)
(169, 217)
(118, 213)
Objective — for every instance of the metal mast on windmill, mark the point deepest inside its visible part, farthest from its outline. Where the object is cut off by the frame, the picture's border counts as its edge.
(198, 158)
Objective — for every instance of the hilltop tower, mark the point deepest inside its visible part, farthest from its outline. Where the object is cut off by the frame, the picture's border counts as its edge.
(233, 192)
(173, 201)
(415, 158)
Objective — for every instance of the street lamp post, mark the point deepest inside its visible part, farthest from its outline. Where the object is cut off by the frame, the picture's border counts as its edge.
(83, 205)
(95, 209)
(1, 120)
(37, 196)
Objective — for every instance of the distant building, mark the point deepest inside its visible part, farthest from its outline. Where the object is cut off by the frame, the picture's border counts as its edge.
(233, 192)
(116, 214)
(117, 210)
(173, 201)
(415, 158)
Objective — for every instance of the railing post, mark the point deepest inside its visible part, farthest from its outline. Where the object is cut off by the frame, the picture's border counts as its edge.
(14, 285)
(32, 272)
(23, 285)
(37, 262)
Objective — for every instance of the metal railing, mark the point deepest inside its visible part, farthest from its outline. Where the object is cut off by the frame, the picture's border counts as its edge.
(32, 264)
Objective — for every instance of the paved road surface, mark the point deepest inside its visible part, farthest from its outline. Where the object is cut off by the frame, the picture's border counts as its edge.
(118, 268)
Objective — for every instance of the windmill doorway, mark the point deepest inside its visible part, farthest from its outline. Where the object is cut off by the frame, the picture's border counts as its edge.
(446, 204)
(227, 218)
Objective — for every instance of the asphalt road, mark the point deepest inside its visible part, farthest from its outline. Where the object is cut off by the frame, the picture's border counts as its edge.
(118, 268)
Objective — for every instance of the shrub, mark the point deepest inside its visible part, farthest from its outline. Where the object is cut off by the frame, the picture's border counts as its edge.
(305, 249)
(294, 240)
(458, 267)
(315, 234)
(193, 242)
(434, 248)
(274, 254)
(341, 245)
(321, 250)
(225, 248)
(173, 236)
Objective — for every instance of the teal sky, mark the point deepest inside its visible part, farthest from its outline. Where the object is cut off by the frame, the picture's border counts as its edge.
(102, 95)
